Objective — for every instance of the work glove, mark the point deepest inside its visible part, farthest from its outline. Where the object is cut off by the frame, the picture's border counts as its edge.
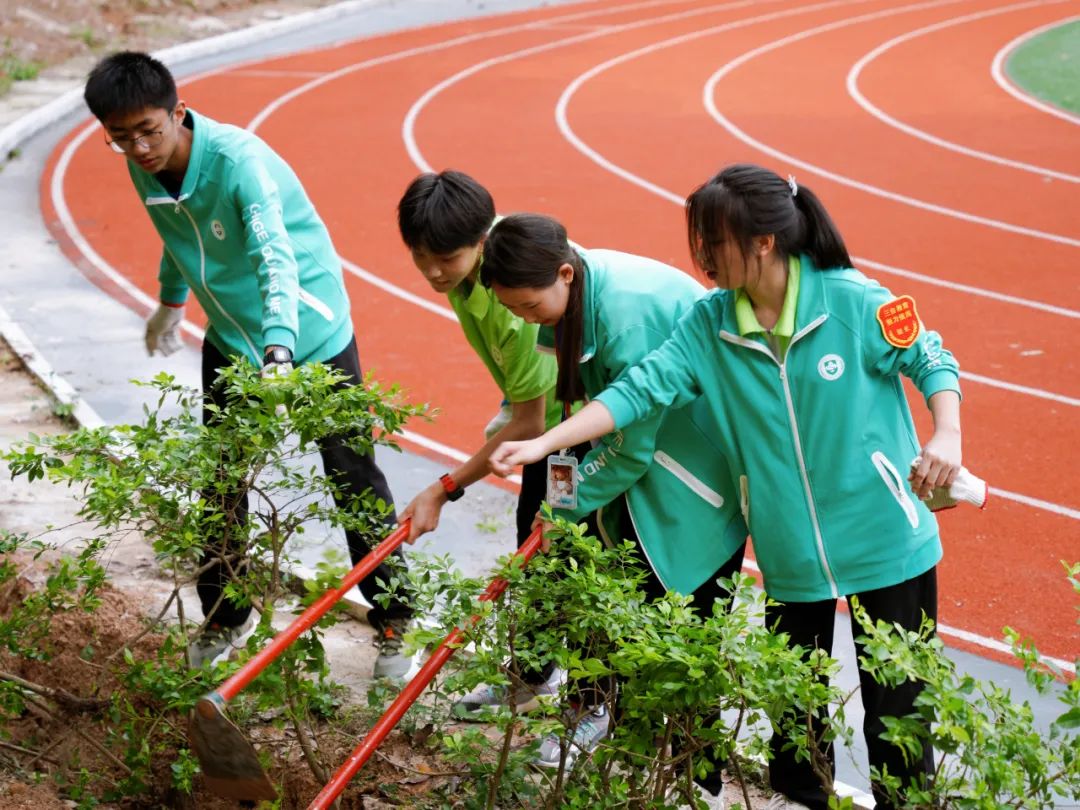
(163, 330)
(277, 362)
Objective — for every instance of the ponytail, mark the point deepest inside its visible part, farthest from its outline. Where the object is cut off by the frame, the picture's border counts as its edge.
(527, 250)
(744, 201)
(821, 241)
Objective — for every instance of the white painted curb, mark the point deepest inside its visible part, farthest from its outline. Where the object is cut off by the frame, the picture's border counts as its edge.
(44, 116)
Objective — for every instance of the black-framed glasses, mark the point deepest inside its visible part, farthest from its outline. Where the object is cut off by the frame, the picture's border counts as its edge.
(126, 145)
(148, 140)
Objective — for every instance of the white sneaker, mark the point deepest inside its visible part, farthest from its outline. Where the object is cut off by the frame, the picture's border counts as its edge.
(590, 732)
(713, 801)
(486, 698)
(391, 660)
(499, 421)
(217, 644)
(781, 802)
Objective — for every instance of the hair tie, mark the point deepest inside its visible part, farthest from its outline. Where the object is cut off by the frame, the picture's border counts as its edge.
(793, 185)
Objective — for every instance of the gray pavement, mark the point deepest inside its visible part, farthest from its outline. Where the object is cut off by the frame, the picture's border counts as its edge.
(95, 342)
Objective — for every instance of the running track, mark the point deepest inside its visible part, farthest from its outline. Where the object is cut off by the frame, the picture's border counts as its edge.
(946, 185)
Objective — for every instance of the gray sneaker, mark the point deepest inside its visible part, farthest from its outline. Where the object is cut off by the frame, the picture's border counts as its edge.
(590, 732)
(485, 699)
(391, 661)
(217, 644)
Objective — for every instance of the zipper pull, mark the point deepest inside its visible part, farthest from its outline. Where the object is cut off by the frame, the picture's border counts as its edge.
(783, 373)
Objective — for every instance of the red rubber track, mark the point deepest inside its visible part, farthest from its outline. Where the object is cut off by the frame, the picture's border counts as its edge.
(646, 115)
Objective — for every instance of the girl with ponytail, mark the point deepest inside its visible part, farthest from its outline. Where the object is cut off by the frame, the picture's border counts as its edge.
(799, 357)
(603, 311)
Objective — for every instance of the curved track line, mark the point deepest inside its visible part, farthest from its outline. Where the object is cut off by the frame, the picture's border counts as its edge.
(708, 100)
(997, 70)
(408, 126)
(408, 137)
(564, 127)
(966, 635)
(434, 47)
(885, 118)
(67, 222)
(568, 133)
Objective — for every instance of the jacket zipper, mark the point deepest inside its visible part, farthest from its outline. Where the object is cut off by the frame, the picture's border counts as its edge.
(206, 287)
(695, 484)
(794, 423)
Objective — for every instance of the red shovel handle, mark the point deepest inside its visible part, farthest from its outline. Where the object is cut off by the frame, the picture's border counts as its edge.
(302, 623)
(411, 692)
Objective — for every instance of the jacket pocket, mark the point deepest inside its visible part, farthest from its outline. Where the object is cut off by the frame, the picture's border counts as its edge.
(316, 305)
(696, 485)
(896, 486)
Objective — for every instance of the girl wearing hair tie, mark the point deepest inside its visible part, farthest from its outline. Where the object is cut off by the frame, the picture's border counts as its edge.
(601, 312)
(799, 357)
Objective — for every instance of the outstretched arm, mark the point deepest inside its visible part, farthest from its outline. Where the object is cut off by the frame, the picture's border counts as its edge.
(591, 422)
(527, 421)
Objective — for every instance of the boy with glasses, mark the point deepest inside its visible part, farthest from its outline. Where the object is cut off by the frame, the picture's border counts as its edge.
(240, 233)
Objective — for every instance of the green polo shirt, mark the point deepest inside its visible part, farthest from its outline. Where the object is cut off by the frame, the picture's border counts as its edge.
(507, 345)
(780, 335)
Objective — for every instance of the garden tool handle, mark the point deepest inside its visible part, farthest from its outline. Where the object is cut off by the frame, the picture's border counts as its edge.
(249, 671)
(412, 691)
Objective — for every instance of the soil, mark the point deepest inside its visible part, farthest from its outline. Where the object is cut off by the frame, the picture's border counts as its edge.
(40, 34)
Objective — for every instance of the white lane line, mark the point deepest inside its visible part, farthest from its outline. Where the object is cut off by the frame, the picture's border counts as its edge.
(923, 135)
(69, 225)
(84, 247)
(1020, 389)
(708, 99)
(568, 133)
(408, 126)
(1028, 303)
(997, 70)
(966, 635)
(434, 47)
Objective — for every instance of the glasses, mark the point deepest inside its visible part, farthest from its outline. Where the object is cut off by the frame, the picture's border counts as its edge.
(126, 145)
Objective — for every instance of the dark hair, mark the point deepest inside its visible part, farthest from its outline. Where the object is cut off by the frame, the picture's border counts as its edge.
(527, 250)
(744, 201)
(129, 81)
(444, 212)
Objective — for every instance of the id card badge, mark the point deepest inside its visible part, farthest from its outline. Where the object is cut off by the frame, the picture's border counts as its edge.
(562, 481)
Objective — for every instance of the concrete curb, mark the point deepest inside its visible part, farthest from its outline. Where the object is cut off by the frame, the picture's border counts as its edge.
(42, 117)
(55, 385)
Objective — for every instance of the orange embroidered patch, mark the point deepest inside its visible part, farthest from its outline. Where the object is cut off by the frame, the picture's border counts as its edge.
(899, 321)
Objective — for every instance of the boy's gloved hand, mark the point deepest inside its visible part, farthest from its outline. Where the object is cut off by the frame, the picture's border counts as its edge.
(163, 330)
(277, 362)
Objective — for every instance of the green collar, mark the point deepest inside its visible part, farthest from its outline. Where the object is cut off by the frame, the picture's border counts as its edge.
(785, 326)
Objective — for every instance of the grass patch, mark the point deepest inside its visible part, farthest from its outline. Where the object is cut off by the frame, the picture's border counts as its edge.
(15, 69)
(1048, 66)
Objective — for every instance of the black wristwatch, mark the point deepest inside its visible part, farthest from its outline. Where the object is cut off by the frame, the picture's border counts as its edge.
(278, 354)
(449, 485)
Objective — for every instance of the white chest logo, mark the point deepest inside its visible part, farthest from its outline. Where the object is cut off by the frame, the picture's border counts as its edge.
(830, 367)
(217, 229)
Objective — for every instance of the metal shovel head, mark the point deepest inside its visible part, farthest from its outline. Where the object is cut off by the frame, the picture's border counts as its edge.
(229, 762)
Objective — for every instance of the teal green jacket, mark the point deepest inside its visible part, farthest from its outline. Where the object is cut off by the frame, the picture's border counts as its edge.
(244, 237)
(819, 446)
(677, 484)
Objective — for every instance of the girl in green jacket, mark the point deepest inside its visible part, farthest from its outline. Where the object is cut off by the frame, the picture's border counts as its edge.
(799, 358)
(602, 312)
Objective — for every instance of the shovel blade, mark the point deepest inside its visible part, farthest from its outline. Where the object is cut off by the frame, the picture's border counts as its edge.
(228, 760)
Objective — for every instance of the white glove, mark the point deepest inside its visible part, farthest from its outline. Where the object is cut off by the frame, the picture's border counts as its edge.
(163, 330)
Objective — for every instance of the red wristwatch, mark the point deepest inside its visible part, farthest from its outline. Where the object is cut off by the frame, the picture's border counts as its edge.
(449, 485)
